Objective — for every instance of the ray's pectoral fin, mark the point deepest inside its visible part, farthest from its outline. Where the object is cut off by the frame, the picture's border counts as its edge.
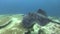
(44, 18)
(40, 11)
(44, 22)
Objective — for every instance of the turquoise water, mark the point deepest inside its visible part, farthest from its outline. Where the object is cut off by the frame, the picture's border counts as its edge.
(52, 7)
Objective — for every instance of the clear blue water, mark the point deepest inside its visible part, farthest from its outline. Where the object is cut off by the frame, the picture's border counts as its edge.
(52, 7)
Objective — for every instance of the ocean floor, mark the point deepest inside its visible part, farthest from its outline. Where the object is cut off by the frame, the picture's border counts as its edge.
(15, 26)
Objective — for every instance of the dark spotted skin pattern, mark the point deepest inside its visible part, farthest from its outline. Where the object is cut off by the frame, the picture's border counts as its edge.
(28, 21)
(39, 16)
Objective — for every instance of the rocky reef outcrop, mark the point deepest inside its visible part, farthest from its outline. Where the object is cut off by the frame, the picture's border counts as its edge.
(15, 26)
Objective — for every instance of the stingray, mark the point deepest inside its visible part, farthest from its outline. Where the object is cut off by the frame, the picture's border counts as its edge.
(40, 17)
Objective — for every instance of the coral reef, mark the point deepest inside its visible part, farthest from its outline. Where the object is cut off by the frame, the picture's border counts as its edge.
(15, 26)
